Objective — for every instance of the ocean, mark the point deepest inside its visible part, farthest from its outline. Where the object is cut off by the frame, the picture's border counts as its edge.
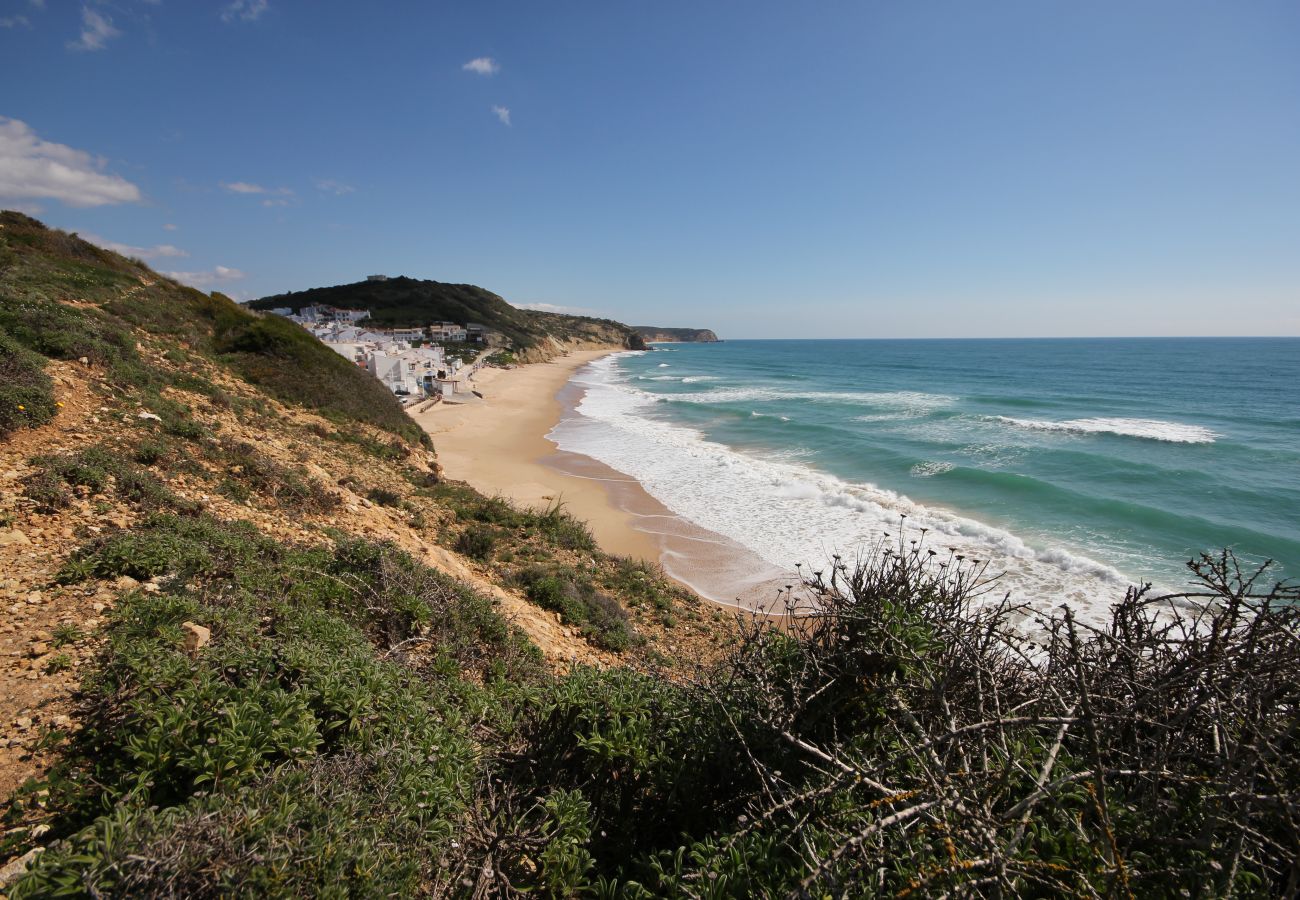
(1076, 467)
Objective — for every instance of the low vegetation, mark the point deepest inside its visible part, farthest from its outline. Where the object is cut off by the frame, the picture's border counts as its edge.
(96, 470)
(360, 723)
(26, 392)
(117, 299)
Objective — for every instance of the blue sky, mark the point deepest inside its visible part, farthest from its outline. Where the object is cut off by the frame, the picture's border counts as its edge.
(766, 169)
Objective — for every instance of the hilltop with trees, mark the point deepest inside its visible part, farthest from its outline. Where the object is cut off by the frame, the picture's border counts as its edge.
(401, 302)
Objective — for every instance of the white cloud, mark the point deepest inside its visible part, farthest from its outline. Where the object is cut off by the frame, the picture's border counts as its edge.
(31, 209)
(14, 22)
(244, 10)
(169, 227)
(484, 65)
(31, 167)
(553, 308)
(215, 275)
(158, 251)
(281, 196)
(502, 113)
(330, 186)
(96, 31)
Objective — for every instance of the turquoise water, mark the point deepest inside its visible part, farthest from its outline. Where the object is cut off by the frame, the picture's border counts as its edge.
(1078, 466)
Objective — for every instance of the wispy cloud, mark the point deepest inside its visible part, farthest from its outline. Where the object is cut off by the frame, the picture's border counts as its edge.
(31, 167)
(96, 31)
(15, 22)
(244, 10)
(502, 113)
(158, 251)
(208, 277)
(169, 227)
(281, 196)
(243, 187)
(330, 186)
(553, 308)
(484, 65)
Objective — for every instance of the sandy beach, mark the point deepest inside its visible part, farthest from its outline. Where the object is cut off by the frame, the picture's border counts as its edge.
(498, 444)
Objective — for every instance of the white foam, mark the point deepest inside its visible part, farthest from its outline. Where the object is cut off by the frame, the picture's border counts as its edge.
(691, 379)
(906, 401)
(787, 512)
(1151, 429)
(663, 365)
(930, 469)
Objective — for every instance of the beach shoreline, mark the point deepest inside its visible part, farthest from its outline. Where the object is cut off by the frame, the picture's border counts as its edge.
(498, 444)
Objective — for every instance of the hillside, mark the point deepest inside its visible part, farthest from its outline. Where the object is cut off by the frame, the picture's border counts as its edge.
(256, 644)
(161, 462)
(652, 334)
(410, 302)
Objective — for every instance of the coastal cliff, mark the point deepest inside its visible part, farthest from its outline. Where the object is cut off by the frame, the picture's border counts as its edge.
(652, 335)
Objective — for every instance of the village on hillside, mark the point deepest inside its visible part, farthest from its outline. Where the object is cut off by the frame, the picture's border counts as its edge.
(412, 362)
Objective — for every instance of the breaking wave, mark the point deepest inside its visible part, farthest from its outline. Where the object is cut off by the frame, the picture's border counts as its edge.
(1150, 429)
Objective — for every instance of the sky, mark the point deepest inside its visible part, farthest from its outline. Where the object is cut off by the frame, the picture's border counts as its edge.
(764, 169)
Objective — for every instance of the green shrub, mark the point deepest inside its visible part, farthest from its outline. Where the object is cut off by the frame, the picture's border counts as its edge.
(384, 497)
(638, 581)
(47, 490)
(250, 472)
(59, 662)
(97, 470)
(297, 753)
(151, 451)
(561, 529)
(478, 541)
(26, 392)
(601, 618)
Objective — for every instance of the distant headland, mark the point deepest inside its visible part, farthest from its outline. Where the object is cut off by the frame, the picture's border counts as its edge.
(652, 334)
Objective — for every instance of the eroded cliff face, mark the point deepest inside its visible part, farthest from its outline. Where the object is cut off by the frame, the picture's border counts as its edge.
(653, 334)
(598, 338)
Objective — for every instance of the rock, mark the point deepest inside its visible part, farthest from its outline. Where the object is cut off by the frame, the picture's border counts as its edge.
(152, 588)
(22, 723)
(153, 417)
(40, 648)
(195, 637)
(17, 868)
(13, 537)
(126, 583)
(84, 360)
